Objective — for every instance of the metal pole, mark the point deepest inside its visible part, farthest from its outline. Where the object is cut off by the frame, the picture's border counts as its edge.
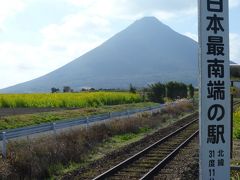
(231, 136)
(54, 128)
(4, 144)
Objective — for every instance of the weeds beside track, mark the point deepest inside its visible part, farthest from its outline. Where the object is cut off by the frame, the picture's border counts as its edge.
(144, 164)
(117, 156)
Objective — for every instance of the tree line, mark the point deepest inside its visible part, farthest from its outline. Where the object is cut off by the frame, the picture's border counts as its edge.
(157, 92)
(67, 89)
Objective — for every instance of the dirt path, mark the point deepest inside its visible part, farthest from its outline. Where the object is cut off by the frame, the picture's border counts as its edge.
(19, 111)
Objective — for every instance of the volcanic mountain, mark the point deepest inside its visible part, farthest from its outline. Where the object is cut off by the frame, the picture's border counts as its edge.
(147, 51)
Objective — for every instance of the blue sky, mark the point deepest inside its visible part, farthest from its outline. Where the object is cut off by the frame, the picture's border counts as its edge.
(39, 36)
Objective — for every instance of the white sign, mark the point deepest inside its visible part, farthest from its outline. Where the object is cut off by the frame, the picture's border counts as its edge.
(214, 90)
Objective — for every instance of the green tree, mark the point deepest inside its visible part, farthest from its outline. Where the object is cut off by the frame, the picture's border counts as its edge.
(54, 90)
(67, 89)
(157, 92)
(176, 90)
(132, 89)
(183, 90)
(191, 90)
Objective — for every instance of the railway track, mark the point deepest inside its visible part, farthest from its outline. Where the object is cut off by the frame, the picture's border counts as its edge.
(146, 163)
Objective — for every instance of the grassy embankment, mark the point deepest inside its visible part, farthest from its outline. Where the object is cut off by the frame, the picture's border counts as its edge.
(86, 104)
(55, 156)
(236, 124)
(16, 121)
(236, 136)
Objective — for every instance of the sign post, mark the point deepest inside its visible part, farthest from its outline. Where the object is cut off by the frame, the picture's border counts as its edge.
(214, 90)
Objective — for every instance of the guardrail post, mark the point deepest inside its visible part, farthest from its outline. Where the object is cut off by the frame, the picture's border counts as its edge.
(160, 108)
(54, 128)
(87, 125)
(151, 109)
(4, 145)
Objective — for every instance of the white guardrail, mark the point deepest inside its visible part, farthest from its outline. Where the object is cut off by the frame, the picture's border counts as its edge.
(30, 130)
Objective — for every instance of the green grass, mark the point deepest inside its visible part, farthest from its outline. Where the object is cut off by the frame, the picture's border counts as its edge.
(54, 156)
(112, 144)
(59, 169)
(83, 99)
(236, 135)
(125, 137)
(16, 121)
(236, 124)
(130, 136)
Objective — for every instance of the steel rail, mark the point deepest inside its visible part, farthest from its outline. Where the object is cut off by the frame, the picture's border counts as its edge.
(128, 161)
(170, 156)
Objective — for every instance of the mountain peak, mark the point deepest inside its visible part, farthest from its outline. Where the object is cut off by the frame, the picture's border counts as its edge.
(146, 51)
(148, 26)
(148, 20)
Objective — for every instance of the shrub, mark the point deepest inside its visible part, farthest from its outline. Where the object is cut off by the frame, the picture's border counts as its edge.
(38, 158)
(157, 92)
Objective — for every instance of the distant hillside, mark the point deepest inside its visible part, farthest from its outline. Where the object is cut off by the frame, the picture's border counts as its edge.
(147, 51)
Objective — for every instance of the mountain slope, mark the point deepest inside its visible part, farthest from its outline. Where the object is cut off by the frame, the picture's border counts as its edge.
(146, 51)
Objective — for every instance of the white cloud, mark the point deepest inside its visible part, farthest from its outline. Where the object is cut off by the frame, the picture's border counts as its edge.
(234, 47)
(22, 62)
(162, 5)
(164, 15)
(9, 8)
(92, 22)
(60, 44)
(19, 63)
(116, 8)
(192, 36)
(234, 3)
(77, 34)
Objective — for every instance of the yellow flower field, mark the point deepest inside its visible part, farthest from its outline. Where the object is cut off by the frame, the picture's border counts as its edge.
(83, 99)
